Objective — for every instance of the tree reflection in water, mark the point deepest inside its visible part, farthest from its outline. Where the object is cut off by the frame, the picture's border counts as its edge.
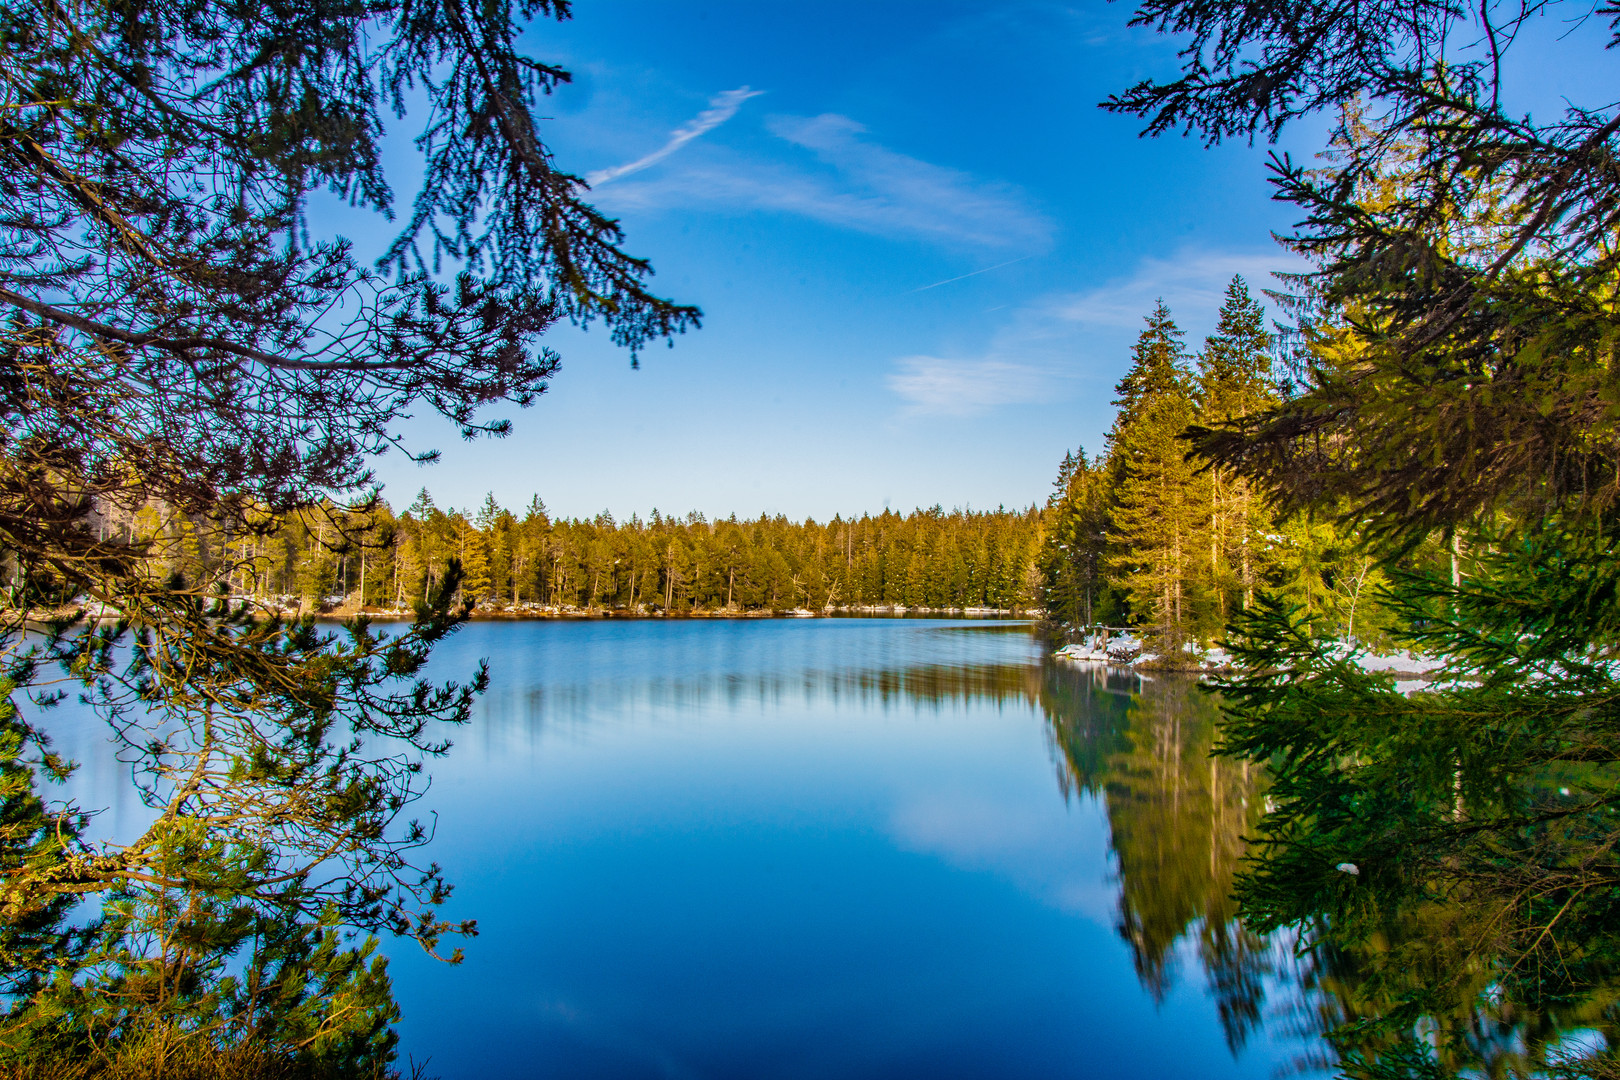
(1418, 998)
(1403, 1001)
(1177, 817)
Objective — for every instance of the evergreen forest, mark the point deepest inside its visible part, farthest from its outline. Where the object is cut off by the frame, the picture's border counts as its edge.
(1421, 453)
(1151, 535)
(333, 558)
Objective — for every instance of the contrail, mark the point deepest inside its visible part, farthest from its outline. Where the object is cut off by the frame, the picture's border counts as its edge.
(963, 277)
(722, 107)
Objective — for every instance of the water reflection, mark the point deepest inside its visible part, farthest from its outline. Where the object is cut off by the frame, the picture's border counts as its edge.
(1177, 818)
(825, 848)
(892, 841)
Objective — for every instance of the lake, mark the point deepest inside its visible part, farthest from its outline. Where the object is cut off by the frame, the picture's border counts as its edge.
(837, 848)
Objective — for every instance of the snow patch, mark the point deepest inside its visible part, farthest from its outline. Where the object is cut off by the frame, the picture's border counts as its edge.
(1401, 662)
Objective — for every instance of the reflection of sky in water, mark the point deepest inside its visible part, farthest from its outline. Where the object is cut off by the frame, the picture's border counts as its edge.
(101, 782)
(817, 848)
(790, 848)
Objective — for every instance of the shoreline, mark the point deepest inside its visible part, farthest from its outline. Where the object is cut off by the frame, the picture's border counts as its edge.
(539, 613)
(624, 614)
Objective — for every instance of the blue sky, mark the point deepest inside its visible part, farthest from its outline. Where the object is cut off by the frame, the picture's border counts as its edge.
(921, 248)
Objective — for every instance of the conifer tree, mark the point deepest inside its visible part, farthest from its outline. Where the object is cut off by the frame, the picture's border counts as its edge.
(1235, 381)
(1158, 368)
(1075, 585)
(1448, 855)
(178, 334)
(1160, 516)
(473, 551)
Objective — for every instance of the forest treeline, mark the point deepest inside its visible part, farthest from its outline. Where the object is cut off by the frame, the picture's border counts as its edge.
(1144, 534)
(1149, 534)
(346, 558)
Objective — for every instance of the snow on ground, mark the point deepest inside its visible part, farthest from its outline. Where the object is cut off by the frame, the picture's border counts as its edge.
(1401, 662)
(1127, 650)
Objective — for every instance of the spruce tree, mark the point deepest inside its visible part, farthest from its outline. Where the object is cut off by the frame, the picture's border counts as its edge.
(1160, 520)
(1447, 854)
(473, 551)
(1075, 588)
(1235, 381)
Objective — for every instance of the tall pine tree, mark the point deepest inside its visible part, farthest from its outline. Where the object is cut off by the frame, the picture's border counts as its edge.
(1160, 518)
(1075, 588)
(1235, 380)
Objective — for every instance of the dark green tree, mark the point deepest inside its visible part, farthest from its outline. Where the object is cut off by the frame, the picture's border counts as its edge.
(1159, 514)
(179, 340)
(1076, 587)
(1450, 855)
(1459, 321)
(1235, 381)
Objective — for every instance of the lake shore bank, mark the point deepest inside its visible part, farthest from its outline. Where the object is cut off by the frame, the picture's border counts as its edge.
(528, 612)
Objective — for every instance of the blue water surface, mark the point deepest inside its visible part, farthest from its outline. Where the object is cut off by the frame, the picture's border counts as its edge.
(833, 848)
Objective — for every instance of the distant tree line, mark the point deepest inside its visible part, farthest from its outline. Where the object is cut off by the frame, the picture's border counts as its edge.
(368, 556)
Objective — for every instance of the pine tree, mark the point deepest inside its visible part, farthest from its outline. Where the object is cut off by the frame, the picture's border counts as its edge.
(473, 550)
(1448, 855)
(1160, 517)
(1235, 381)
(195, 342)
(1074, 585)
(1066, 470)
(1158, 367)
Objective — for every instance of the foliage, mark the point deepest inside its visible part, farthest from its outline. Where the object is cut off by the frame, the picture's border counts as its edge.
(1235, 380)
(371, 559)
(186, 366)
(1480, 818)
(276, 769)
(190, 1060)
(1155, 535)
(1448, 854)
(1159, 500)
(1466, 263)
(1076, 588)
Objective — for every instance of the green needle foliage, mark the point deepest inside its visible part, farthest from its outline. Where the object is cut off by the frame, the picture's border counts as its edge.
(1448, 855)
(1480, 819)
(179, 344)
(1158, 513)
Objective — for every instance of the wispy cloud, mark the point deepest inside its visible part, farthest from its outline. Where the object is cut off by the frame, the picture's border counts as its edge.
(1056, 342)
(853, 182)
(1191, 284)
(937, 386)
(722, 107)
(1013, 837)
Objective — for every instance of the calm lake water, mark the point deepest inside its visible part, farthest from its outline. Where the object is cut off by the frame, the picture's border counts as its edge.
(836, 848)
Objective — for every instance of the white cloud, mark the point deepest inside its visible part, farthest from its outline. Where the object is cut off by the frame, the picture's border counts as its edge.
(1191, 284)
(859, 184)
(936, 386)
(1060, 340)
(722, 107)
(986, 832)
